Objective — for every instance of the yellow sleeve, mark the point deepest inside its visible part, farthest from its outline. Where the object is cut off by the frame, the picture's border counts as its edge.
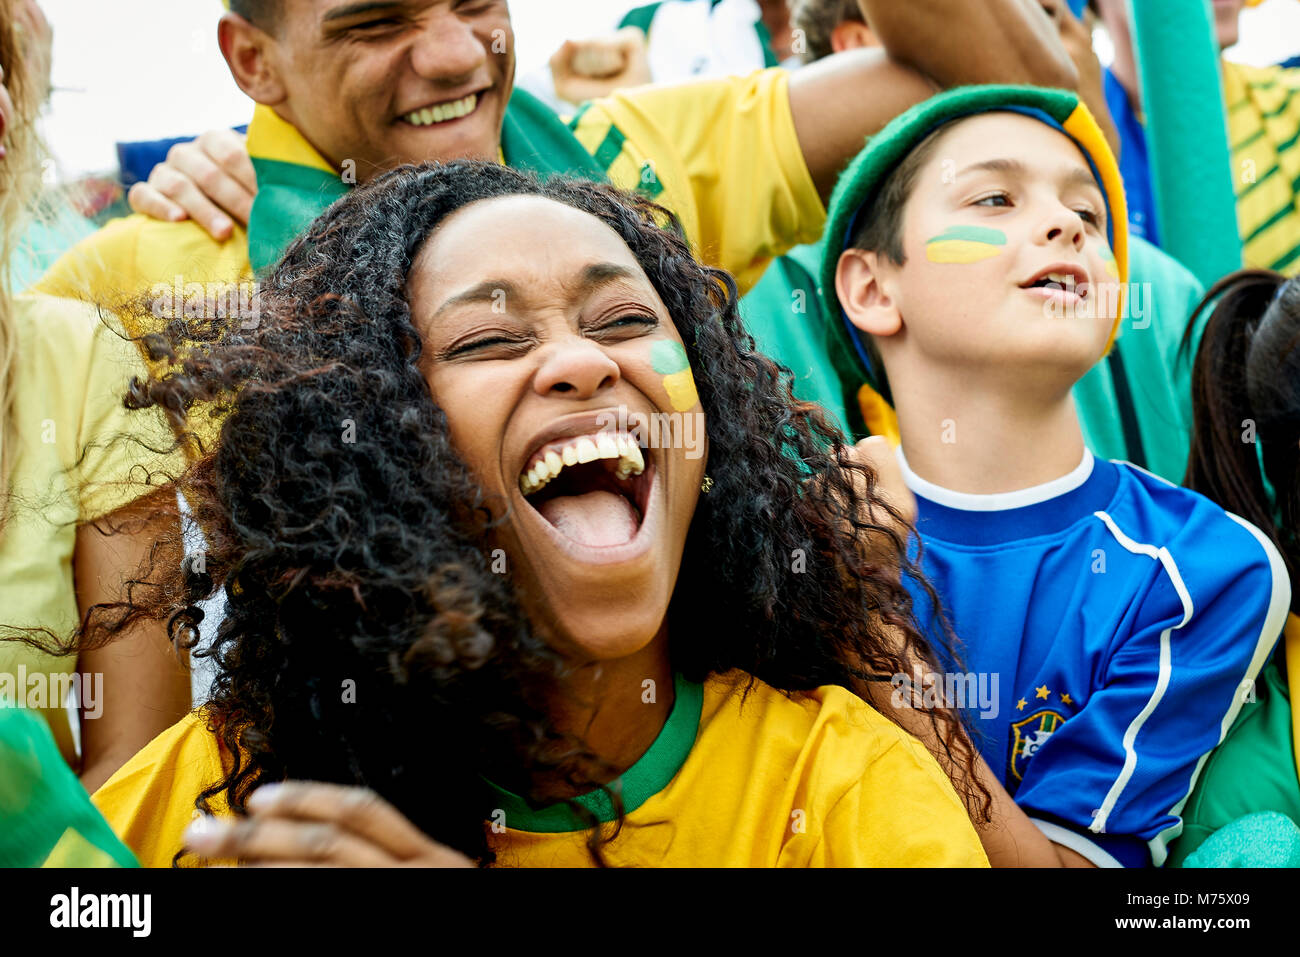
(96, 266)
(902, 811)
(83, 363)
(723, 155)
(149, 801)
(138, 257)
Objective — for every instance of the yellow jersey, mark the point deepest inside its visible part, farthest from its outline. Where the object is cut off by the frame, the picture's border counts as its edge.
(734, 779)
(1263, 106)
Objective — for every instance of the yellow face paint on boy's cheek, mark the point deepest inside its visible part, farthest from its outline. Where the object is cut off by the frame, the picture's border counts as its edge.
(669, 360)
(965, 244)
(1112, 267)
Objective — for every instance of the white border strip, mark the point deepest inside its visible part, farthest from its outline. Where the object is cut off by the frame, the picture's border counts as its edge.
(1161, 555)
(1077, 843)
(997, 501)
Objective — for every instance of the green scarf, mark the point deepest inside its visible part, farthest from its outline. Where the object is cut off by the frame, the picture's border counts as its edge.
(295, 184)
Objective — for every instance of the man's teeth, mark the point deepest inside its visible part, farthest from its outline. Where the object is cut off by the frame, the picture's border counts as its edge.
(586, 449)
(1063, 278)
(443, 111)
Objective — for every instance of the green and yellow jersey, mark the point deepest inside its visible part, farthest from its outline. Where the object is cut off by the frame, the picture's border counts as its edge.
(734, 779)
(1264, 131)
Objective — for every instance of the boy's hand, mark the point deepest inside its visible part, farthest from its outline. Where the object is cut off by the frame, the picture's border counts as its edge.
(209, 180)
(305, 824)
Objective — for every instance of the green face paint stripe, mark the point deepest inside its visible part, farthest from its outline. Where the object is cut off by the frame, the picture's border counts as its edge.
(668, 357)
(973, 234)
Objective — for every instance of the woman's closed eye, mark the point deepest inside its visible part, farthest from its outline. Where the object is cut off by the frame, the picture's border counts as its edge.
(488, 345)
(625, 326)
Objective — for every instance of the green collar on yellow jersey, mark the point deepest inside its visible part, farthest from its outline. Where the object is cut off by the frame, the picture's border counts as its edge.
(295, 184)
(644, 779)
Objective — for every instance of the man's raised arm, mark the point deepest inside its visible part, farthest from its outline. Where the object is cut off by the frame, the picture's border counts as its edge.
(928, 45)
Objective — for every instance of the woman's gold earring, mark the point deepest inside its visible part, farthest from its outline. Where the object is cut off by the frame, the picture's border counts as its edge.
(707, 485)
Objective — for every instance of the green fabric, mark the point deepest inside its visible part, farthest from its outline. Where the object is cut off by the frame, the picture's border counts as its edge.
(53, 232)
(640, 17)
(1263, 839)
(642, 781)
(783, 313)
(1157, 389)
(42, 804)
(533, 138)
(1252, 770)
(886, 150)
(765, 41)
(290, 196)
(1187, 134)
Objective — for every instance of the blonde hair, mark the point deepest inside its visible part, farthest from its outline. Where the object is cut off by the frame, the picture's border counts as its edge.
(20, 187)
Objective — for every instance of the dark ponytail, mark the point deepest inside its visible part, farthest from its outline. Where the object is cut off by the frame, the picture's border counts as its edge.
(1246, 389)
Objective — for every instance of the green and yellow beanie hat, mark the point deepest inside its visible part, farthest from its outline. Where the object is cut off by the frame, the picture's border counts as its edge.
(857, 186)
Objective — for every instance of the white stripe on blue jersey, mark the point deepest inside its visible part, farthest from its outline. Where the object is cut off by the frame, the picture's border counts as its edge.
(1121, 616)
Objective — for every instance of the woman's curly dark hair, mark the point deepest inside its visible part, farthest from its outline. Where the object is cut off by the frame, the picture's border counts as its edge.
(366, 640)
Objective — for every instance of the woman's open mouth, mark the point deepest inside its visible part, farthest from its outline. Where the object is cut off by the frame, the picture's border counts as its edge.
(593, 492)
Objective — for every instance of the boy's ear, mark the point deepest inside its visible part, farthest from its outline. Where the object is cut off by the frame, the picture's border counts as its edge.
(249, 52)
(864, 294)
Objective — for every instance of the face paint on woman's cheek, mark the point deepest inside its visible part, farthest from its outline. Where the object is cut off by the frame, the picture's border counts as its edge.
(965, 244)
(669, 360)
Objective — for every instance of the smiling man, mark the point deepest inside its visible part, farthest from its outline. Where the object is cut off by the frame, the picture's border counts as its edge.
(349, 88)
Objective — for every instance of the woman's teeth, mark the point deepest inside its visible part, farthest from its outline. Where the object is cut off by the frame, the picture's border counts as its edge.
(579, 451)
(443, 111)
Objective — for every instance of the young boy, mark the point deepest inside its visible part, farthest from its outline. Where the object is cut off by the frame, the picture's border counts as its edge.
(975, 254)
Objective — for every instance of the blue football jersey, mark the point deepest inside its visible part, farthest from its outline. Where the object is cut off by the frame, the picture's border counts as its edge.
(1114, 625)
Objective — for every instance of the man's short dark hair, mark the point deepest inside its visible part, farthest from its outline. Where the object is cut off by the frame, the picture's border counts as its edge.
(261, 13)
(817, 18)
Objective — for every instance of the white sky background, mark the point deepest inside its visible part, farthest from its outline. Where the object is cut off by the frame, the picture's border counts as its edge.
(149, 69)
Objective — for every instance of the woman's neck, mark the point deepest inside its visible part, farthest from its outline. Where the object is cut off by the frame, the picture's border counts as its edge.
(616, 708)
(982, 443)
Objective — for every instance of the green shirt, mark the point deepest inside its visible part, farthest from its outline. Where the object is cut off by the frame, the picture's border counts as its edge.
(1136, 404)
(783, 313)
(1252, 770)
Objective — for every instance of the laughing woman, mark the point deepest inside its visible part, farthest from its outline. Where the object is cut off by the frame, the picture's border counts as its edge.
(483, 573)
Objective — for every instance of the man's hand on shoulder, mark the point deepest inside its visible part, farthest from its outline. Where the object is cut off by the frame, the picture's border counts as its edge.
(209, 179)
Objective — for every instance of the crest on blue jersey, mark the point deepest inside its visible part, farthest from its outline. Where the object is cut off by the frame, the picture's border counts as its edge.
(1028, 735)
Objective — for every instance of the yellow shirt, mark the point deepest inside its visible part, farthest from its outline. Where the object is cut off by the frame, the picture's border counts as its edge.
(721, 154)
(819, 779)
(72, 373)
